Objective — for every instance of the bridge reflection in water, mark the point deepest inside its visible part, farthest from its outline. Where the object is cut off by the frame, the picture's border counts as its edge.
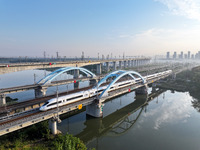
(119, 121)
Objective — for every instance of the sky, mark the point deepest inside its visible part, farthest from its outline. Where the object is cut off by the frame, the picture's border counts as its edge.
(70, 27)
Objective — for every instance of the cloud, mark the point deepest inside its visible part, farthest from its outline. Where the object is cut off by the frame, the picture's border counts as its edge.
(187, 8)
(159, 40)
(172, 111)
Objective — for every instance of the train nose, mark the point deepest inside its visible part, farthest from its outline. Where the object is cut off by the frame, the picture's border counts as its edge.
(41, 108)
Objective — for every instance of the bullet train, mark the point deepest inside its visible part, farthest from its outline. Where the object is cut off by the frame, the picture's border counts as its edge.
(71, 98)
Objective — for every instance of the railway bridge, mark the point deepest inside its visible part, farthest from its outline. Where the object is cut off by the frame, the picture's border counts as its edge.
(94, 105)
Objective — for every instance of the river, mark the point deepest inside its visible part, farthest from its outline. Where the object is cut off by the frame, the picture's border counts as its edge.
(169, 121)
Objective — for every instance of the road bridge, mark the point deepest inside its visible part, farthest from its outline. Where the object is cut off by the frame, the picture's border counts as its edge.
(94, 104)
(14, 67)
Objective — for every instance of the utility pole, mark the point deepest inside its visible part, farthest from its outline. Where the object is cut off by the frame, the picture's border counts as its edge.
(82, 56)
(57, 55)
(44, 54)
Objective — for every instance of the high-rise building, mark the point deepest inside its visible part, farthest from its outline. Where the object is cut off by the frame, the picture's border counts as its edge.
(168, 55)
(181, 55)
(185, 56)
(174, 56)
(188, 54)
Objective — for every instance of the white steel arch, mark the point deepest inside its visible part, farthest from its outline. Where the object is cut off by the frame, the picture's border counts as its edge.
(51, 76)
(118, 76)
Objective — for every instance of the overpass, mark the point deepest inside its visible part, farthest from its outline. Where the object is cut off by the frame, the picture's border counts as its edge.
(94, 104)
(14, 67)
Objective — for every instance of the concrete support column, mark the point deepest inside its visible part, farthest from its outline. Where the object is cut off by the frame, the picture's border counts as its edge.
(140, 62)
(95, 109)
(136, 63)
(132, 63)
(120, 64)
(76, 76)
(53, 126)
(125, 64)
(142, 90)
(93, 81)
(129, 63)
(99, 69)
(107, 66)
(2, 99)
(114, 65)
(40, 92)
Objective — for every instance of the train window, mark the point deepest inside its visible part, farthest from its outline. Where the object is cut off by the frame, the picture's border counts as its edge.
(46, 103)
(99, 91)
(75, 97)
(54, 103)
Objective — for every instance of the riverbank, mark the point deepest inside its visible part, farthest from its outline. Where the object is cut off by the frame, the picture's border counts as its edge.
(38, 137)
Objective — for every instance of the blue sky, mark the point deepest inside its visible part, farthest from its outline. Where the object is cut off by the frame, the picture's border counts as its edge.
(145, 27)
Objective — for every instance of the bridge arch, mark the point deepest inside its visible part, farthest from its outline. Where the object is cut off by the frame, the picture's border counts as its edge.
(51, 76)
(118, 74)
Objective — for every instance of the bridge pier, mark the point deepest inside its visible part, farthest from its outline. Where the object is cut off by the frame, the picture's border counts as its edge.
(98, 69)
(53, 126)
(114, 66)
(135, 63)
(2, 99)
(124, 64)
(40, 92)
(142, 90)
(95, 109)
(129, 63)
(132, 63)
(120, 64)
(76, 76)
(107, 67)
(93, 82)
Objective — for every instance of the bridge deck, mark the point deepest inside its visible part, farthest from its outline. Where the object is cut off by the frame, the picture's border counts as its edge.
(27, 120)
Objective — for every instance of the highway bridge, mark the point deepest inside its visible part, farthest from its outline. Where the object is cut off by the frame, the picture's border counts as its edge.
(14, 67)
(94, 104)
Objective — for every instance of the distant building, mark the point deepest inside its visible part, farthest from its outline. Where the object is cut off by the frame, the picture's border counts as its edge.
(168, 55)
(181, 55)
(185, 56)
(188, 54)
(192, 56)
(174, 56)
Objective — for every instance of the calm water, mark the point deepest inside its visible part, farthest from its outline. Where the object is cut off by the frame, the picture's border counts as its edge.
(168, 122)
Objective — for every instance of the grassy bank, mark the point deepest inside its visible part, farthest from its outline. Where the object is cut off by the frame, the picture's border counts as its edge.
(38, 137)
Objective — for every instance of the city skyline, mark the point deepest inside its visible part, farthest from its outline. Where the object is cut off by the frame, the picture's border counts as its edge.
(148, 27)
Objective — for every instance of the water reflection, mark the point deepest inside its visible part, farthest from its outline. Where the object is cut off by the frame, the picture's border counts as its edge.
(177, 109)
(116, 123)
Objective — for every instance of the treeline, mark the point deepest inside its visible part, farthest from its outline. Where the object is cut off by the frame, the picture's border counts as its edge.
(38, 137)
